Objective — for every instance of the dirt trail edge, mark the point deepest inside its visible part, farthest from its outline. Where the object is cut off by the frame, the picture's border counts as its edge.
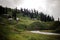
(46, 33)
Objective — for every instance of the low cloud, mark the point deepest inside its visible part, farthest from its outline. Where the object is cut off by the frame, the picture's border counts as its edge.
(10, 3)
(53, 8)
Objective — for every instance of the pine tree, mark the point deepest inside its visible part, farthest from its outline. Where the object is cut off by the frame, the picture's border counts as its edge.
(14, 14)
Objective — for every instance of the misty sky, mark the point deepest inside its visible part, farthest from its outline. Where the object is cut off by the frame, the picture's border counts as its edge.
(51, 7)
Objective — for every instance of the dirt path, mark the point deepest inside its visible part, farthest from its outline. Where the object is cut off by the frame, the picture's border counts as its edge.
(46, 33)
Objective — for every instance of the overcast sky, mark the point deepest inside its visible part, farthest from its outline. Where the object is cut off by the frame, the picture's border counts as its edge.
(51, 7)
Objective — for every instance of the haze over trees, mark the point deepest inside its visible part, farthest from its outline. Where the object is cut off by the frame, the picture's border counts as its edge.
(37, 15)
(33, 14)
(29, 20)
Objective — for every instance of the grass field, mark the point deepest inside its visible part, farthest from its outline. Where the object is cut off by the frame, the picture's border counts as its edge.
(12, 32)
(30, 36)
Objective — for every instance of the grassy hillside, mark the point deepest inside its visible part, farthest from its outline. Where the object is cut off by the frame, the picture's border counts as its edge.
(19, 30)
(12, 30)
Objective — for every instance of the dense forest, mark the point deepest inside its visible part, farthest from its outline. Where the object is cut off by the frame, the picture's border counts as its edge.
(33, 14)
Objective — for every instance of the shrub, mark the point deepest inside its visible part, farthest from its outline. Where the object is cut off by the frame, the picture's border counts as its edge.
(37, 26)
(21, 26)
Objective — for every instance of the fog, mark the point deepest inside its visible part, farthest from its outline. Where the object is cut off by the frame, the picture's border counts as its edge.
(51, 7)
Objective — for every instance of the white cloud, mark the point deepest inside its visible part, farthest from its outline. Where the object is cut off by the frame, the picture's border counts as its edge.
(51, 7)
(10, 3)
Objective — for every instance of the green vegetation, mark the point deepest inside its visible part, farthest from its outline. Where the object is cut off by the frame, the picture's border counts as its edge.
(19, 30)
(30, 36)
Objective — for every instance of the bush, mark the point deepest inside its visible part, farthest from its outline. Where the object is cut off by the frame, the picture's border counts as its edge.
(57, 30)
(21, 26)
(55, 25)
(4, 31)
(37, 26)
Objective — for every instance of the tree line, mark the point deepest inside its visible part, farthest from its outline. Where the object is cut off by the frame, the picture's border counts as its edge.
(37, 15)
(33, 14)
